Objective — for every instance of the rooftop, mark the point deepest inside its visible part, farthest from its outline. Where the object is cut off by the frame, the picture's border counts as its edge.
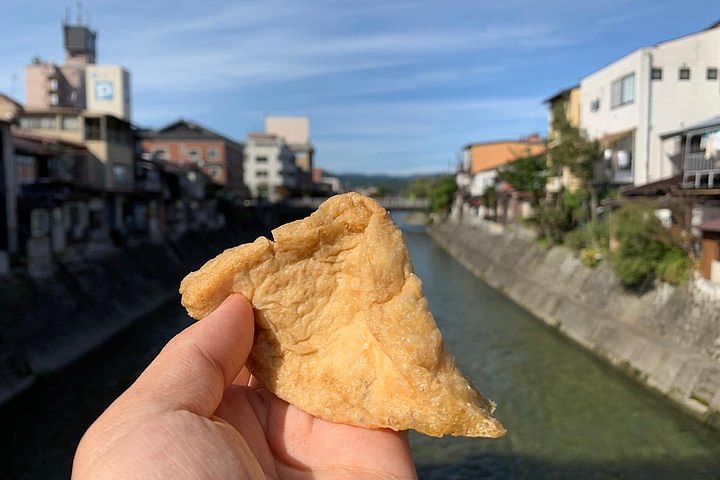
(711, 226)
(532, 139)
(183, 129)
(653, 189)
(709, 123)
(37, 145)
(560, 93)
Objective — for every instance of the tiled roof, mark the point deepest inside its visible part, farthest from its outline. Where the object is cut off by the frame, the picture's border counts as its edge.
(186, 130)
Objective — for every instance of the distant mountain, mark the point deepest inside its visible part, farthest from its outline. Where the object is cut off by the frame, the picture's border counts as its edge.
(389, 184)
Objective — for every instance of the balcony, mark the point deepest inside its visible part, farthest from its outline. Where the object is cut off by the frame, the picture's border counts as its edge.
(701, 172)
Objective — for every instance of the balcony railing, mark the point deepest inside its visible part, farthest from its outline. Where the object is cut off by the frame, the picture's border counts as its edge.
(701, 172)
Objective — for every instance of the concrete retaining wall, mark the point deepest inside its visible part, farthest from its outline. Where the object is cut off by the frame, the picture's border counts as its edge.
(667, 338)
(46, 324)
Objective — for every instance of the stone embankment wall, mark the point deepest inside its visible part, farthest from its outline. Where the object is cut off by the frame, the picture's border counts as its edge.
(45, 324)
(667, 338)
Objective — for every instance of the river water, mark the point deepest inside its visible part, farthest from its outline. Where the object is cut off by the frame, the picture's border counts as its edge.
(568, 415)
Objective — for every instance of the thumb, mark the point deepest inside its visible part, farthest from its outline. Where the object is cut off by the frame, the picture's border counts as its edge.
(194, 368)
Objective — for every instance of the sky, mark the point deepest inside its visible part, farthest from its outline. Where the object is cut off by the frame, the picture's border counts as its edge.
(390, 86)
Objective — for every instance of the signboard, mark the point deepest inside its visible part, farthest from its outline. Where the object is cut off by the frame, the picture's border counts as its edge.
(104, 90)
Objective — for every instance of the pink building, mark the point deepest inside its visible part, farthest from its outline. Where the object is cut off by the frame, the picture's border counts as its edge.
(50, 85)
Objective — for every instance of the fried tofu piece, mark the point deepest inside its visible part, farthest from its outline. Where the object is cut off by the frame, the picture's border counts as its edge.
(343, 330)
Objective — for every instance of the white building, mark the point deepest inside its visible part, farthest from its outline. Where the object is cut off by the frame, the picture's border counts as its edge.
(629, 103)
(269, 167)
(107, 90)
(481, 181)
(296, 132)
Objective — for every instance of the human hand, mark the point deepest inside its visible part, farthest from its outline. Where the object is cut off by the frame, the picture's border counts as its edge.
(195, 413)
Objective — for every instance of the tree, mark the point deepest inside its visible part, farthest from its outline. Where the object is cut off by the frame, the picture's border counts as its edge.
(570, 147)
(441, 194)
(644, 248)
(420, 187)
(490, 199)
(529, 174)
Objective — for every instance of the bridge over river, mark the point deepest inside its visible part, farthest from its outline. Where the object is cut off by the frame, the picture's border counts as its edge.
(389, 203)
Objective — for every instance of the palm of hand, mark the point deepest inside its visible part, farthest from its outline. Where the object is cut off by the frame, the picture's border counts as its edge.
(253, 434)
(186, 418)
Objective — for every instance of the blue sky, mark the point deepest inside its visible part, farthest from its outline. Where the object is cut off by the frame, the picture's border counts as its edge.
(390, 86)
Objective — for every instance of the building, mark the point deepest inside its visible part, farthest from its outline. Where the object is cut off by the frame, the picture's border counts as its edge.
(108, 90)
(327, 184)
(296, 133)
(270, 169)
(58, 207)
(50, 85)
(10, 109)
(79, 82)
(108, 139)
(566, 101)
(695, 151)
(710, 256)
(480, 161)
(8, 211)
(184, 143)
(629, 103)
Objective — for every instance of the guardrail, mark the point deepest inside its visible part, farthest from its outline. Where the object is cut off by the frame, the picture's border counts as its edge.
(389, 203)
(703, 171)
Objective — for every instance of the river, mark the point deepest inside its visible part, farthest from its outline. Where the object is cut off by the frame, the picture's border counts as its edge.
(568, 415)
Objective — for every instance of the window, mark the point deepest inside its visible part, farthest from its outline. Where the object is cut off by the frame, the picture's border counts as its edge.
(214, 171)
(212, 153)
(712, 73)
(25, 169)
(261, 174)
(53, 84)
(656, 73)
(192, 153)
(595, 105)
(161, 152)
(619, 159)
(70, 123)
(39, 222)
(45, 123)
(261, 159)
(93, 130)
(622, 91)
(121, 175)
(54, 99)
(684, 73)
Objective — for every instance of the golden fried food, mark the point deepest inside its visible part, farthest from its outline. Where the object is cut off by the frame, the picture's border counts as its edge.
(343, 330)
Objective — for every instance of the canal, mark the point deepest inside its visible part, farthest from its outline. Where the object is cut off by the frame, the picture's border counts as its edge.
(568, 415)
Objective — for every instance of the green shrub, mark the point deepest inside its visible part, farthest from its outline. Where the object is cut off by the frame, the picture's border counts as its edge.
(593, 234)
(674, 266)
(591, 257)
(644, 248)
(441, 194)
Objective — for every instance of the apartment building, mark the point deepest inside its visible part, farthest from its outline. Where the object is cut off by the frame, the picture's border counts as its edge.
(270, 169)
(108, 90)
(78, 82)
(184, 142)
(631, 102)
(296, 133)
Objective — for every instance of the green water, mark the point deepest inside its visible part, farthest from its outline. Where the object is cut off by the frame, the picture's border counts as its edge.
(568, 415)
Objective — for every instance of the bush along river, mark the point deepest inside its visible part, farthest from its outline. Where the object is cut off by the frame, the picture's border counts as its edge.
(568, 415)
